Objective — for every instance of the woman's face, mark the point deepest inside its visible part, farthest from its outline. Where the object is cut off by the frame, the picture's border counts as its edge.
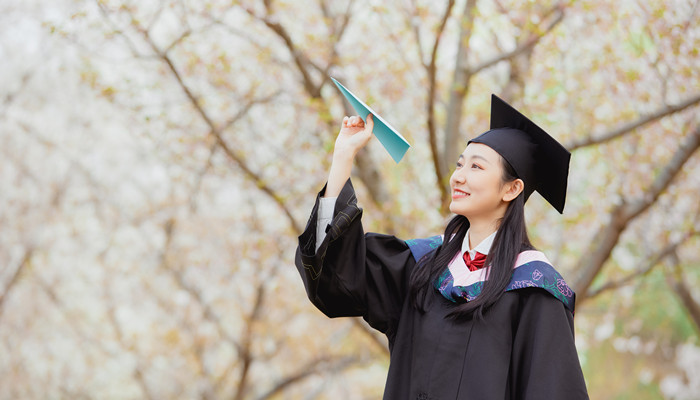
(478, 191)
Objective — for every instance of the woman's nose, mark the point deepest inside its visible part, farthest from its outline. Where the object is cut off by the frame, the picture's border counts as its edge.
(458, 177)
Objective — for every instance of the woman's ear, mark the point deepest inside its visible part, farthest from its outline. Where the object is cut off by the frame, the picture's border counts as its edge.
(513, 189)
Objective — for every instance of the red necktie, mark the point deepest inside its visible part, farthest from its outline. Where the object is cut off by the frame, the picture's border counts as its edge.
(476, 263)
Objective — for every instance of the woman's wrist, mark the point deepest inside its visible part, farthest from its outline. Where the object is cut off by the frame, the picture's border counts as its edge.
(338, 175)
(343, 156)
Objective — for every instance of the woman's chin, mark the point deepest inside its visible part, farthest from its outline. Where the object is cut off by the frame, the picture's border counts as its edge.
(456, 209)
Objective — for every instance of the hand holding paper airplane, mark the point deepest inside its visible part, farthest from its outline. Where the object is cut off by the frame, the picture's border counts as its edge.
(354, 135)
(389, 137)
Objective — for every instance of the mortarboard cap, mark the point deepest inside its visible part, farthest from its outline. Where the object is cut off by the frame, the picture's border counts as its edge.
(538, 159)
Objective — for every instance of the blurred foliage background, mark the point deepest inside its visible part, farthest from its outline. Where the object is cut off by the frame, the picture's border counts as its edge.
(159, 158)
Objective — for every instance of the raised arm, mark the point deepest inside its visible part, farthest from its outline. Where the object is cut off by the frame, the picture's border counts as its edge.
(354, 135)
(345, 271)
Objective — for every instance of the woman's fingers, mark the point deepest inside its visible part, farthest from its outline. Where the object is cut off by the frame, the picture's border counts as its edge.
(347, 122)
(357, 122)
(353, 122)
(353, 135)
(370, 122)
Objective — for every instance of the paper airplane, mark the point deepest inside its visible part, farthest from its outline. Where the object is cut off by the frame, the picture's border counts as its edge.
(389, 137)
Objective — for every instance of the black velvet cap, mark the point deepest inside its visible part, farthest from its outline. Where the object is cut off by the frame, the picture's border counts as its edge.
(538, 159)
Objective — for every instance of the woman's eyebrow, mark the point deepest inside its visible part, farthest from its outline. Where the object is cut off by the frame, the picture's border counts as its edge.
(461, 156)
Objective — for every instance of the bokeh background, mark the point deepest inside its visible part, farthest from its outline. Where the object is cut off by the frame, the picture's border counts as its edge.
(159, 158)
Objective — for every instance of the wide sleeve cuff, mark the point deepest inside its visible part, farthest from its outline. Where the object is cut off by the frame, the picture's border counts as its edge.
(326, 206)
(344, 211)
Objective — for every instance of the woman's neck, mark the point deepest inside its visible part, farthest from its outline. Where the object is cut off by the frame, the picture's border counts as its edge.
(480, 230)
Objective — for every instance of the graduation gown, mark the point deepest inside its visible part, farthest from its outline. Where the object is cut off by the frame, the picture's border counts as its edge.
(522, 349)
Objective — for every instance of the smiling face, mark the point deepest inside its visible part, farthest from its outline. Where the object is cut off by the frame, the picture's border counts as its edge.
(478, 190)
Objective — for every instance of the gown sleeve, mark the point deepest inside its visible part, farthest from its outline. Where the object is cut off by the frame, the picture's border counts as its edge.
(544, 360)
(353, 273)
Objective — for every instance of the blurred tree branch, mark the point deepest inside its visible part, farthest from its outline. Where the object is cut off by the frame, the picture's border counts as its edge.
(11, 96)
(318, 365)
(368, 171)
(243, 345)
(629, 127)
(207, 312)
(459, 87)
(138, 372)
(519, 59)
(214, 130)
(75, 325)
(677, 282)
(607, 237)
(14, 278)
(105, 13)
(245, 352)
(654, 260)
(525, 46)
(431, 69)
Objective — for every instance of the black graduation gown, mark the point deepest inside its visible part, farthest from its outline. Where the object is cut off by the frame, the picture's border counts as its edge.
(523, 349)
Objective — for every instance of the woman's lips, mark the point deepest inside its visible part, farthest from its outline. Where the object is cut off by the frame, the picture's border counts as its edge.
(459, 194)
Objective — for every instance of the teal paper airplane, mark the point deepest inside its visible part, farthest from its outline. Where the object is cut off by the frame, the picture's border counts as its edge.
(389, 137)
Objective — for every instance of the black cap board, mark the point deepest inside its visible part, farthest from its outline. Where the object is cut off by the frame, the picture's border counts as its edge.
(538, 159)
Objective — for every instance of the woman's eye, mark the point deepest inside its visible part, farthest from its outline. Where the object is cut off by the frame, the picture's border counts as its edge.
(459, 164)
(476, 166)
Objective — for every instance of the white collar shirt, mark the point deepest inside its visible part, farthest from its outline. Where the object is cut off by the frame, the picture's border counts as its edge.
(482, 247)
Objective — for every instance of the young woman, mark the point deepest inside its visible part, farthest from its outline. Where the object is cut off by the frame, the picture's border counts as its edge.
(479, 314)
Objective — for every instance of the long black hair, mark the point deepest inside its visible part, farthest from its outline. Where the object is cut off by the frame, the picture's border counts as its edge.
(511, 239)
